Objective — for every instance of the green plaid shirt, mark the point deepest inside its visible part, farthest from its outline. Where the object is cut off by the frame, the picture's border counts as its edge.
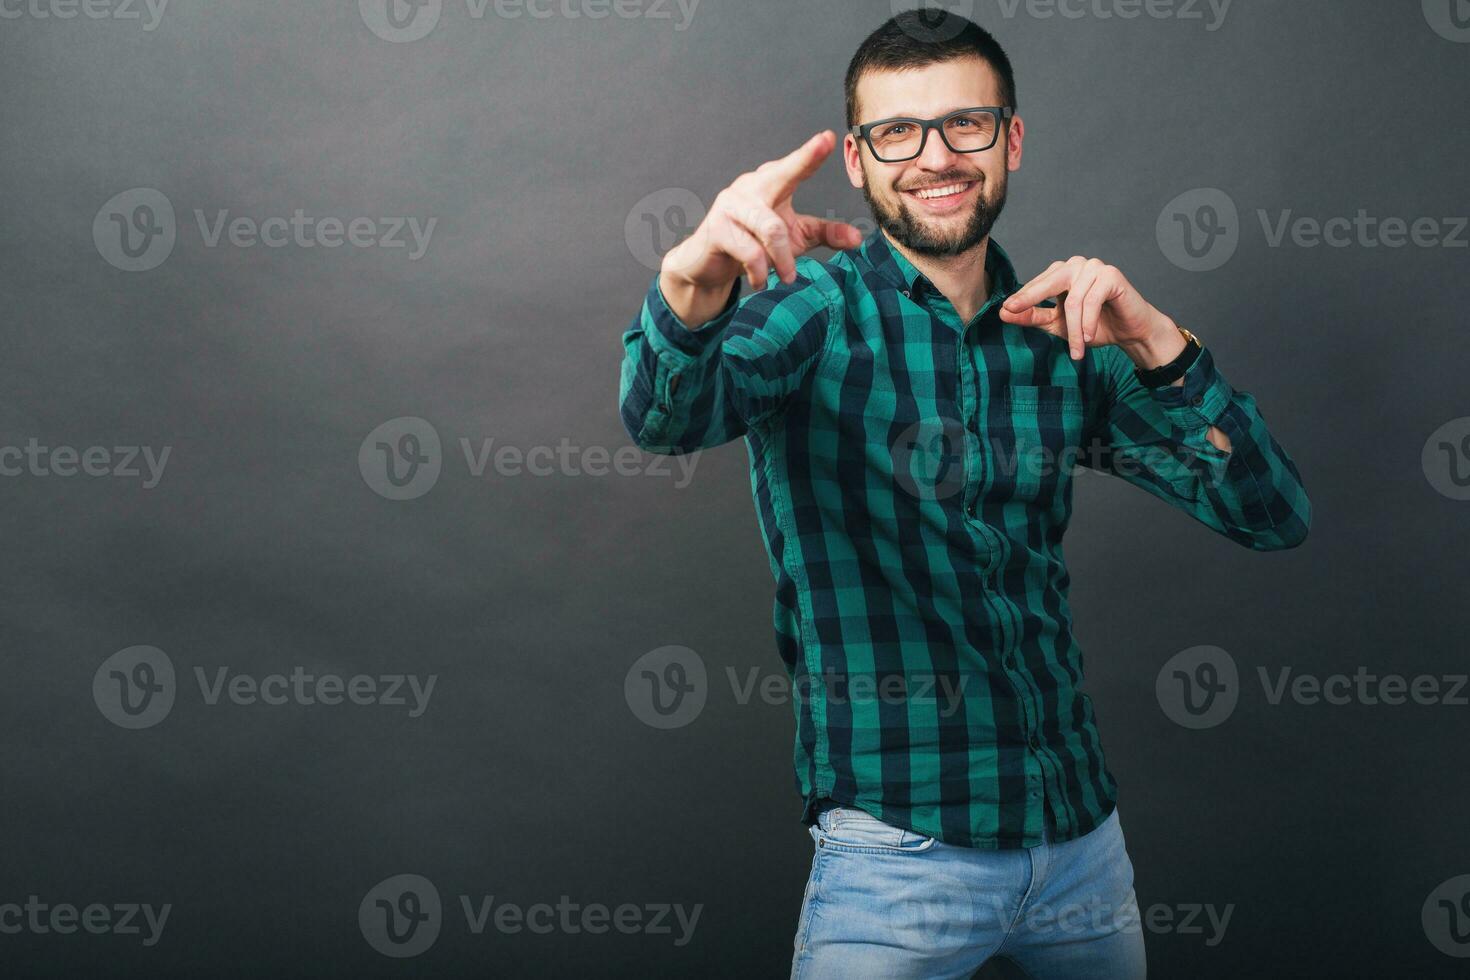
(912, 477)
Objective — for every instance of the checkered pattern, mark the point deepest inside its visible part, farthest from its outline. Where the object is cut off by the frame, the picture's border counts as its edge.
(912, 477)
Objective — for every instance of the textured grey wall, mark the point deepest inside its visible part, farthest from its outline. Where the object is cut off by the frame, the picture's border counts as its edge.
(529, 154)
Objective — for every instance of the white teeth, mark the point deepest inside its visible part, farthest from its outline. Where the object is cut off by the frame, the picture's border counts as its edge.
(930, 193)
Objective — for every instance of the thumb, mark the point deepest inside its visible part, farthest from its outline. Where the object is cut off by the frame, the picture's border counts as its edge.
(836, 235)
(1047, 318)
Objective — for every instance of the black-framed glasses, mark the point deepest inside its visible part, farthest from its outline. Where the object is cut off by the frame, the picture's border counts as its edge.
(963, 131)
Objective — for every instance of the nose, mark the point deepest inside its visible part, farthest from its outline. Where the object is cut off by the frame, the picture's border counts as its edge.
(936, 155)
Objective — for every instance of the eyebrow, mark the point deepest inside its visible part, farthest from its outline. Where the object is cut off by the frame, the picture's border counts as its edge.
(915, 115)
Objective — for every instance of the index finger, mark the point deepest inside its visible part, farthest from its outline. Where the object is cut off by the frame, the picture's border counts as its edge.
(787, 173)
(1052, 282)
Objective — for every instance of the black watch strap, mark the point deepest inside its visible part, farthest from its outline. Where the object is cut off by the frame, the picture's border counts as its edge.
(1167, 374)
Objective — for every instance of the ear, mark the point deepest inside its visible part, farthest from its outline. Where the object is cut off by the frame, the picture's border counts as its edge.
(852, 158)
(1015, 137)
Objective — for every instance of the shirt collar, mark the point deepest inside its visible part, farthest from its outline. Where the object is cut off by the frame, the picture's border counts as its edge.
(896, 269)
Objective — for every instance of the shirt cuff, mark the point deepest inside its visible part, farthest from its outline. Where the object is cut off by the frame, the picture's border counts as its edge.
(670, 335)
(1203, 398)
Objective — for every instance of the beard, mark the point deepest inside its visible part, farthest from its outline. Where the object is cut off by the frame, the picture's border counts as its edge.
(915, 234)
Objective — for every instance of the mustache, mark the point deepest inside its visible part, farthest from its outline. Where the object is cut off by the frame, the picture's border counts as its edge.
(945, 179)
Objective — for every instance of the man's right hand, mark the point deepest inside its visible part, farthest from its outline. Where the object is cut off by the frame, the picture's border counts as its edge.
(753, 228)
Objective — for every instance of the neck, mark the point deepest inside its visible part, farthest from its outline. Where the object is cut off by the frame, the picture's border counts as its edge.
(961, 277)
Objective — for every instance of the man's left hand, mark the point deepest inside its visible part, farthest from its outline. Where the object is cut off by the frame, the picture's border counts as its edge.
(1097, 306)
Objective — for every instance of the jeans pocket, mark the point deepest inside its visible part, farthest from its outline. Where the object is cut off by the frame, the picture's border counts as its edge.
(846, 828)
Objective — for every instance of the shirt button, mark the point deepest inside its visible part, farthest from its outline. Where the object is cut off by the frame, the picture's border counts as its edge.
(1035, 742)
(907, 294)
(1198, 401)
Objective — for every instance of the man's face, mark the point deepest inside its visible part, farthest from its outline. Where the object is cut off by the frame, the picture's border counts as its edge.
(974, 184)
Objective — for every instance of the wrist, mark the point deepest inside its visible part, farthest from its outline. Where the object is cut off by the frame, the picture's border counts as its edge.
(693, 304)
(1160, 347)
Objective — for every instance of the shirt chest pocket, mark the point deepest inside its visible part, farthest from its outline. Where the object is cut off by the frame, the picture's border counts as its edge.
(1038, 442)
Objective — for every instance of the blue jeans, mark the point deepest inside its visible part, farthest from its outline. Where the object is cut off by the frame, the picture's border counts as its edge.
(888, 903)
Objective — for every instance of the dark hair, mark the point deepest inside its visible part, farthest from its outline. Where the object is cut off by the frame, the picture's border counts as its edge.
(916, 38)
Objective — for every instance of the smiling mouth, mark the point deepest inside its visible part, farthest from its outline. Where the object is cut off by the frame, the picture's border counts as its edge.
(942, 194)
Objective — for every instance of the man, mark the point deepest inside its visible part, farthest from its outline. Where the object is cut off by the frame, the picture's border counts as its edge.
(912, 413)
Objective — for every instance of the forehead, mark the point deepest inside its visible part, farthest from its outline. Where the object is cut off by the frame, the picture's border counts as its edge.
(929, 91)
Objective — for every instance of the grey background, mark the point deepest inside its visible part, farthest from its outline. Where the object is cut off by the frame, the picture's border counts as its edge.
(529, 777)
